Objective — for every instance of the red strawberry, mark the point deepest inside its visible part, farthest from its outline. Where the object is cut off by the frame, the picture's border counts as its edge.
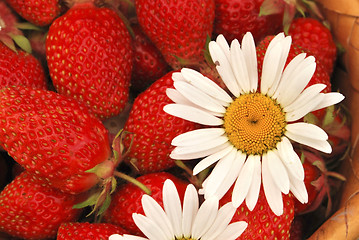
(86, 230)
(40, 13)
(236, 17)
(179, 28)
(17, 66)
(89, 56)
(153, 129)
(320, 75)
(20, 68)
(31, 209)
(127, 199)
(149, 64)
(53, 136)
(262, 222)
(314, 36)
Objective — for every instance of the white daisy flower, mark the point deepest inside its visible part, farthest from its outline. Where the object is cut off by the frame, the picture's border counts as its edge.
(189, 222)
(250, 129)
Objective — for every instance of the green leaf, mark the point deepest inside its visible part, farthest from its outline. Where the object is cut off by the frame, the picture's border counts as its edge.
(329, 116)
(270, 7)
(22, 42)
(28, 26)
(88, 202)
(104, 205)
(310, 118)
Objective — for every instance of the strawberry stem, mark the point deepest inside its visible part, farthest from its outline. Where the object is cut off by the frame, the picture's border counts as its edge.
(133, 181)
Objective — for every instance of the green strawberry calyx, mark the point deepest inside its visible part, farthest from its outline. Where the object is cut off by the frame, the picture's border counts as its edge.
(100, 196)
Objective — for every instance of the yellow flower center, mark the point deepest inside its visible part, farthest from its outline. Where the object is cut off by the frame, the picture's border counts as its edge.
(254, 123)
(183, 238)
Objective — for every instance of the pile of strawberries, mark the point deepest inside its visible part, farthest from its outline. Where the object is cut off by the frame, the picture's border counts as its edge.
(82, 127)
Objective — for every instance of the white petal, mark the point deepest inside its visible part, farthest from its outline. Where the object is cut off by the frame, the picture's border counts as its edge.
(285, 43)
(192, 114)
(297, 187)
(253, 193)
(307, 130)
(306, 97)
(220, 171)
(190, 208)
(278, 172)
(244, 182)
(177, 76)
(197, 136)
(329, 99)
(198, 97)
(250, 55)
(212, 143)
(271, 191)
(229, 179)
(116, 237)
(273, 63)
(239, 66)
(303, 110)
(270, 67)
(287, 74)
(209, 160)
(155, 212)
(223, 67)
(224, 216)
(206, 85)
(233, 231)
(298, 80)
(199, 154)
(290, 159)
(172, 206)
(125, 237)
(321, 145)
(177, 97)
(222, 42)
(206, 215)
(148, 227)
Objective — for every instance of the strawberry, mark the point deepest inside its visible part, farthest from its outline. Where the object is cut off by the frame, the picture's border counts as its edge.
(86, 230)
(313, 35)
(320, 75)
(20, 68)
(179, 28)
(236, 17)
(31, 209)
(90, 59)
(40, 13)
(18, 65)
(53, 136)
(153, 129)
(149, 64)
(127, 199)
(262, 222)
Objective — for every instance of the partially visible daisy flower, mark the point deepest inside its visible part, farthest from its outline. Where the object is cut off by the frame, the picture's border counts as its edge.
(250, 129)
(188, 223)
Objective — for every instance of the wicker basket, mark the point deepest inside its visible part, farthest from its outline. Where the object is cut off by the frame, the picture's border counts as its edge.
(343, 17)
